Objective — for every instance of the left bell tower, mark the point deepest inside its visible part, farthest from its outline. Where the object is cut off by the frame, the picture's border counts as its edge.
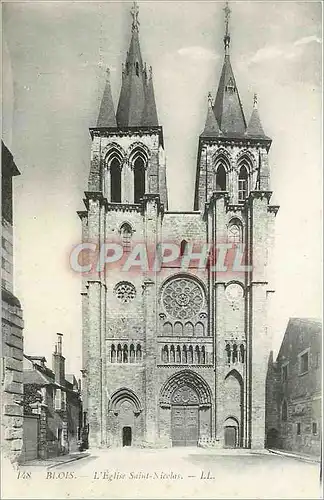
(126, 197)
(127, 154)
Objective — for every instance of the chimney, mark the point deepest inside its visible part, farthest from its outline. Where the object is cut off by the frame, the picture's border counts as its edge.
(58, 363)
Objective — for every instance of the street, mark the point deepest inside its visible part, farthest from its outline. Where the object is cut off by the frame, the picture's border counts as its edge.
(169, 473)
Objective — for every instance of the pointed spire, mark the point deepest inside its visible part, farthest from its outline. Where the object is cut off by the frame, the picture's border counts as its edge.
(227, 36)
(107, 117)
(211, 126)
(228, 107)
(136, 106)
(134, 13)
(255, 128)
(150, 117)
(132, 94)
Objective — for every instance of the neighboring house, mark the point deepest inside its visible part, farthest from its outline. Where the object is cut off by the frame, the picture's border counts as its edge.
(11, 324)
(294, 401)
(54, 398)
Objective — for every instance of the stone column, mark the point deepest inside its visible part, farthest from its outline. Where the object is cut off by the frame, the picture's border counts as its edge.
(151, 217)
(219, 200)
(258, 316)
(94, 340)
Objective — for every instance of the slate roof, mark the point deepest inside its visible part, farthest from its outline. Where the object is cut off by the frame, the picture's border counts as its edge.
(228, 107)
(107, 117)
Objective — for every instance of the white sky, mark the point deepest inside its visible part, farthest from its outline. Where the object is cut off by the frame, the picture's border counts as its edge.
(54, 62)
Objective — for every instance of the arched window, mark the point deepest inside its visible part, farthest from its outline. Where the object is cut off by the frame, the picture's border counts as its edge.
(125, 354)
(137, 68)
(178, 354)
(199, 330)
(243, 184)
(190, 355)
(184, 354)
(197, 355)
(242, 353)
(115, 181)
(221, 178)
(113, 354)
(183, 247)
(167, 329)
(165, 354)
(228, 353)
(188, 329)
(202, 360)
(119, 354)
(132, 354)
(234, 234)
(284, 411)
(172, 354)
(234, 353)
(178, 328)
(139, 179)
(126, 235)
(138, 353)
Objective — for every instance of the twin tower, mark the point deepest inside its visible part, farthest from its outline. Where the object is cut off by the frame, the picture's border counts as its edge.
(177, 357)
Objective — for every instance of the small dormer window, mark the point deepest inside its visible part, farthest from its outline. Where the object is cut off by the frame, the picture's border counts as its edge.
(137, 68)
(230, 87)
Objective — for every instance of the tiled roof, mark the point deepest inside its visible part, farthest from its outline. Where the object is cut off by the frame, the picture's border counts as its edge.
(36, 377)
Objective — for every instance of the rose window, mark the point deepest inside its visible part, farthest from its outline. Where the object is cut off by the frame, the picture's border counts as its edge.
(125, 291)
(182, 298)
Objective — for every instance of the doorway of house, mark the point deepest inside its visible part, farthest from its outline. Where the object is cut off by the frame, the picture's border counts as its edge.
(127, 436)
(230, 437)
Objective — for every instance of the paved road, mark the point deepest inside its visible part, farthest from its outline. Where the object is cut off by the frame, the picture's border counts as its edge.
(172, 473)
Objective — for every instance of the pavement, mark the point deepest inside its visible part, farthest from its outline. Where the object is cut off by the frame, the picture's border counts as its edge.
(298, 456)
(168, 473)
(55, 461)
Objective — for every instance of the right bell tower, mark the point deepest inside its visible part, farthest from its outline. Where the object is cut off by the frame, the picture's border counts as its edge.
(233, 194)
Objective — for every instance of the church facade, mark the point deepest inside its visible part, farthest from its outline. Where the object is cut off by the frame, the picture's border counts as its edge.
(177, 355)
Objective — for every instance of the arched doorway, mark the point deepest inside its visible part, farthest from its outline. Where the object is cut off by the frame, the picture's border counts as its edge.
(231, 433)
(127, 436)
(125, 419)
(184, 417)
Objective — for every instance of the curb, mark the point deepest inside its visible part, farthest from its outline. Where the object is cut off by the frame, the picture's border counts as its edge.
(74, 459)
(303, 458)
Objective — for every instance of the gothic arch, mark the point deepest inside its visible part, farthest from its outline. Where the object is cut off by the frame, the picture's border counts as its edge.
(246, 158)
(231, 420)
(185, 378)
(125, 223)
(112, 151)
(138, 150)
(235, 230)
(234, 373)
(221, 155)
(121, 395)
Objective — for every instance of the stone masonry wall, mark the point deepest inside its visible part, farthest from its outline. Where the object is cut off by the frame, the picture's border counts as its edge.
(12, 378)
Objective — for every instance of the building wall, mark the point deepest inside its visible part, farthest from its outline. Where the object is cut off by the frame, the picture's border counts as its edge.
(12, 325)
(299, 429)
(233, 314)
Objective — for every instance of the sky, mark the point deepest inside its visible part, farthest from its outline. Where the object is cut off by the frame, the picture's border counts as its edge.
(54, 59)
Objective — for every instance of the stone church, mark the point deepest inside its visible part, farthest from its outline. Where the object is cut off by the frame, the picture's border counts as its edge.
(176, 357)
